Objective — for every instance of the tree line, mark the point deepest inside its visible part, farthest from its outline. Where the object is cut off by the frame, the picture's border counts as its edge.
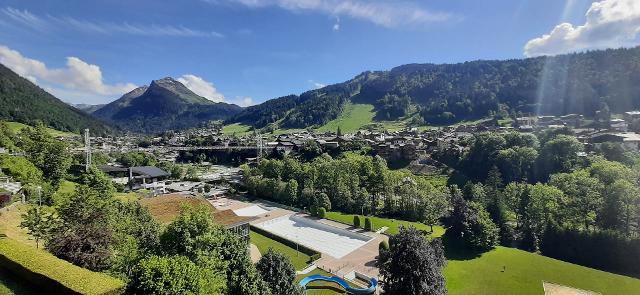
(351, 183)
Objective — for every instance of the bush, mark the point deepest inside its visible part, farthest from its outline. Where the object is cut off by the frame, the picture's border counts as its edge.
(356, 220)
(368, 225)
(383, 246)
(174, 275)
(322, 212)
(313, 210)
(314, 257)
(52, 274)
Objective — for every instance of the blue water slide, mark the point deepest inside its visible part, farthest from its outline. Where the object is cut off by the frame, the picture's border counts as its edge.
(355, 291)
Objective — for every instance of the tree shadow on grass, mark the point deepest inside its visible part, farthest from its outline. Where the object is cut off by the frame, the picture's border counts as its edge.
(15, 285)
(456, 249)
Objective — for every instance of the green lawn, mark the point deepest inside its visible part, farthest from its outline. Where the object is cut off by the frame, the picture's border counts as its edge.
(16, 127)
(352, 118)
(299, 259)
(378, 222)
(235, 128)
(524, 275)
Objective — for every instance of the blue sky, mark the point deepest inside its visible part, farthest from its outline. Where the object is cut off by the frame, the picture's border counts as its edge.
(247, 51)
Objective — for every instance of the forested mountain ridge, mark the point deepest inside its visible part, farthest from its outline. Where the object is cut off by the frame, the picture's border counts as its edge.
(24, 102)
(164, 104)
(446, 93)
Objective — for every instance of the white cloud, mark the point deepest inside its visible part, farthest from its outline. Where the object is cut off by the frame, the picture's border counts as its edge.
(242, 101)
(609, 23)
(336, 26)
(381, 12)
(201, 87)
(77, 77)
(26, 18)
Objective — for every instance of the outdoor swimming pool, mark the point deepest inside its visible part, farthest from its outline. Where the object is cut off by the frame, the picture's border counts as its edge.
(333, 241)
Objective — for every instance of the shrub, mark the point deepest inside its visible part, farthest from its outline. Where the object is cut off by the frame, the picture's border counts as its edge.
(314, 257)
(356, 220)
(368, 225)
(313, 210)
(322, 212)
(383, 246)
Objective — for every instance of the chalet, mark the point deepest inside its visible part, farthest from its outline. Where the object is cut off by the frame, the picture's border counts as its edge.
(8, 184)
(237, 224)
(619, 125)
(629, 140)
(147, 177)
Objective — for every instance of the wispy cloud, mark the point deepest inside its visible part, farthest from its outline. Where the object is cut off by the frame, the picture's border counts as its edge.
(43, 23)
(317, 85)
(380, 12)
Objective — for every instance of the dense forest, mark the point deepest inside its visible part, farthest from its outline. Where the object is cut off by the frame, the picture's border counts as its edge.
(24, 102)
(446, 93)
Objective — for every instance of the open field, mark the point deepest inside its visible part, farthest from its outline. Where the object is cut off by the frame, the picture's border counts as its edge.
(236, 128)
(378, 222)
(352, 118)
(524, 275)
(298, 259)
(15, 126)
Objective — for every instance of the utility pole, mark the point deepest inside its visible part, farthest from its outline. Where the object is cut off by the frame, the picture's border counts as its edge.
(259, 142)
(87, 150)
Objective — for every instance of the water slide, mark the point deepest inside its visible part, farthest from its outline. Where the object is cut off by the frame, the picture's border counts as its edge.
(355, 291)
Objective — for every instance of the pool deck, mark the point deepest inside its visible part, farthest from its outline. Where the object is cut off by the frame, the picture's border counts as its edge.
(362, 259)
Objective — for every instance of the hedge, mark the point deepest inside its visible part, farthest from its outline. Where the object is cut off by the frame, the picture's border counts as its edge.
(52, 274)
(604, 250)
(292, 244)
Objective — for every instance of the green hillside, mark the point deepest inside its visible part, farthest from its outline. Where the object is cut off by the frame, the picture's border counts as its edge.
(16, 126)
(524, 273)
(352, 118)
(22, 101)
